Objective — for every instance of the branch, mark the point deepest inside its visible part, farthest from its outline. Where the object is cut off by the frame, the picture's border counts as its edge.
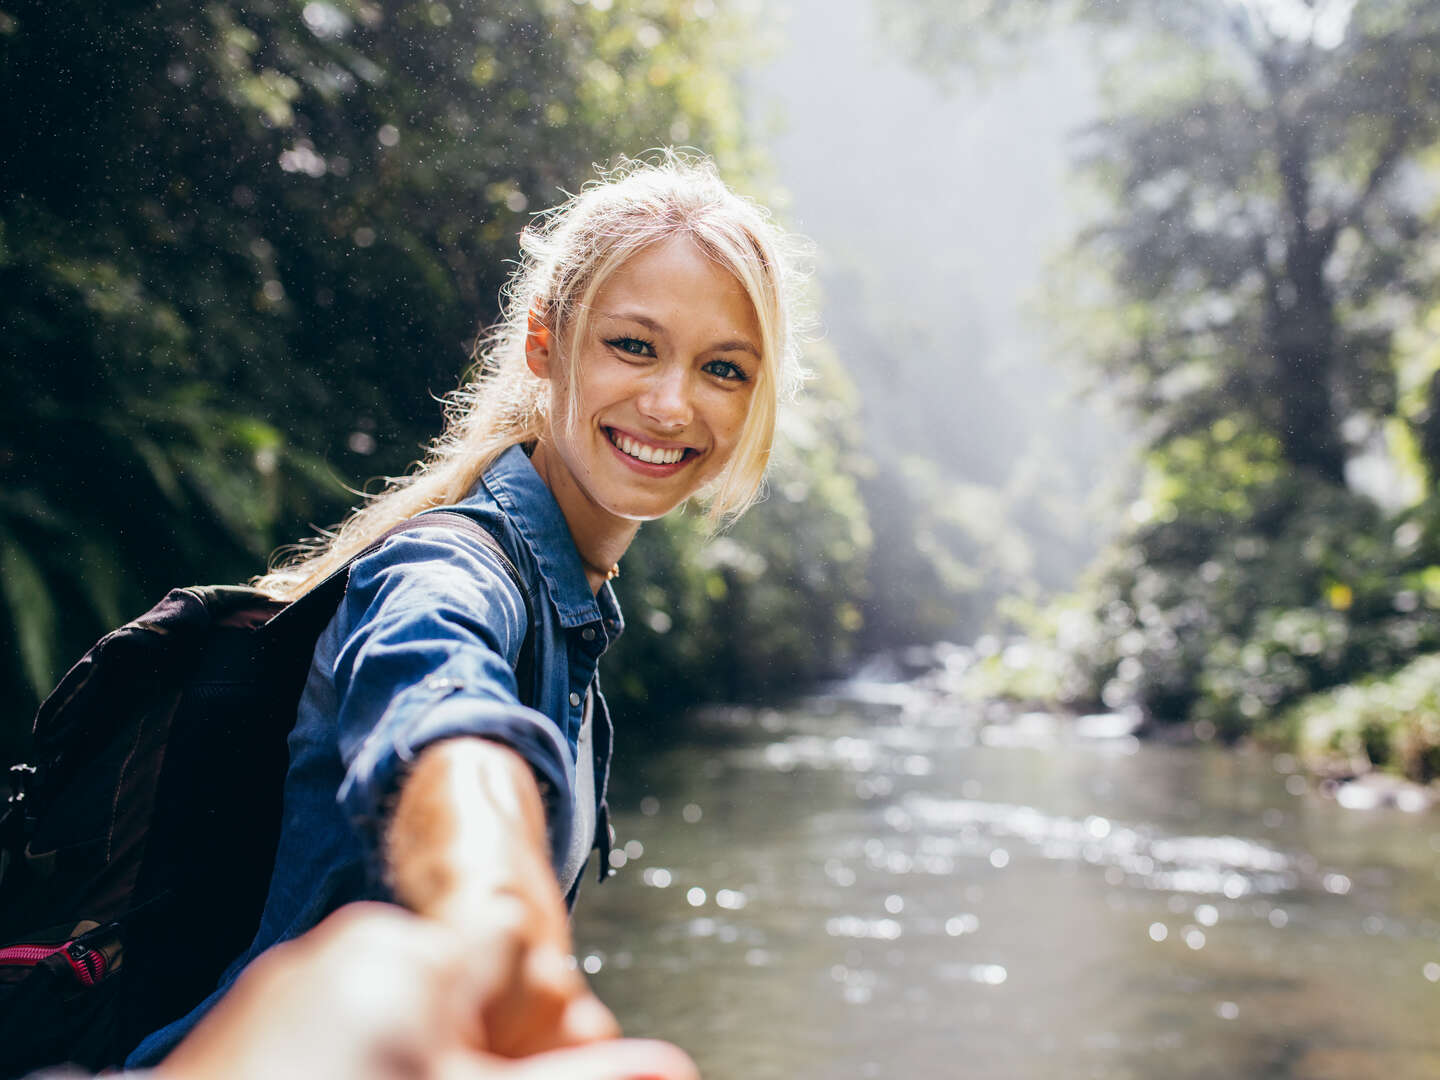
(1385, 165)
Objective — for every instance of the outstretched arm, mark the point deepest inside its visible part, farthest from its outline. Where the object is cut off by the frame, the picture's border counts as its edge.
(467, 845)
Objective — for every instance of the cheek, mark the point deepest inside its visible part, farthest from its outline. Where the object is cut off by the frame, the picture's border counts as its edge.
(730, 417)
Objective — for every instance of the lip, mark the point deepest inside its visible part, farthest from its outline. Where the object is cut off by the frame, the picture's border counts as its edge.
(649, 468)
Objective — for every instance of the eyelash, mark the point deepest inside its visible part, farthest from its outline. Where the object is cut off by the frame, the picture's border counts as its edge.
(736, 373)
(620, 343)
(732, 372)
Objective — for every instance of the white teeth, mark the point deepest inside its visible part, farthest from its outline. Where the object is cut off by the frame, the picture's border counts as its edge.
(652, 454)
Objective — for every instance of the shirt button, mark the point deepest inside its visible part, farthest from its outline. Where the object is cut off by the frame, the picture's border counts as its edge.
(588, 633)
(574, 698)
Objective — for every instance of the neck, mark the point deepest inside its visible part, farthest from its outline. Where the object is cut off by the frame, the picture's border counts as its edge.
(600, 537)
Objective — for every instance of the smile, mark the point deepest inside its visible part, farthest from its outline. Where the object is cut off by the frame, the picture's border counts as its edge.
(650, 455)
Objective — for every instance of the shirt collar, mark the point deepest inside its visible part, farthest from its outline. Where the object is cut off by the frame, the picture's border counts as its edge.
(522, 494)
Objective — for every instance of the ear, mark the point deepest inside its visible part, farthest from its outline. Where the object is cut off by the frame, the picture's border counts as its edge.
(537, 346)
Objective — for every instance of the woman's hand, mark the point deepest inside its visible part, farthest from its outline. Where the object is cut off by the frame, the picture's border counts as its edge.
(374, 993)
(467, 846)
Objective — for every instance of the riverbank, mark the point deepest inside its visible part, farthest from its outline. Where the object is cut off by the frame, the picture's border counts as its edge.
(1367, 746)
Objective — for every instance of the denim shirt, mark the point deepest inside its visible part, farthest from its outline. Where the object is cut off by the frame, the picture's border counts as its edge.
(423, 647)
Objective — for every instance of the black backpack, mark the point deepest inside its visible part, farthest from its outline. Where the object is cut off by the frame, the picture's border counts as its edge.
(137, 845)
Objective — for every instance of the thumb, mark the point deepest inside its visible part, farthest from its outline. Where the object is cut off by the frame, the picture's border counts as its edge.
(617, 1059)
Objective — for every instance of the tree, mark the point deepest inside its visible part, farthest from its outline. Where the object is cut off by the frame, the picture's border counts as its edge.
(1264, 255)
(1268, 219)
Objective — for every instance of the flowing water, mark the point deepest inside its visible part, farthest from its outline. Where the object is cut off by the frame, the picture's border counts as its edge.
(894, 888)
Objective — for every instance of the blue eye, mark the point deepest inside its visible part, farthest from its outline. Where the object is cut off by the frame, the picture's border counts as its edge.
(726, 370)
(632, 345)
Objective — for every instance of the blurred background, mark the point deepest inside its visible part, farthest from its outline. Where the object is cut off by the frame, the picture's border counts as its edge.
(1071, 706)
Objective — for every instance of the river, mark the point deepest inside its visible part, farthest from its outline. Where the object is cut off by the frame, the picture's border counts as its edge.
(879, 884)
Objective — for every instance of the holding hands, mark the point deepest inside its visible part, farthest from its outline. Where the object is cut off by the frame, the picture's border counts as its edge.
(374, 993)
(477, 986)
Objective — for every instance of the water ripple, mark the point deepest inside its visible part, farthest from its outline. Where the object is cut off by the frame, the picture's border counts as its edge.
(1229, 866)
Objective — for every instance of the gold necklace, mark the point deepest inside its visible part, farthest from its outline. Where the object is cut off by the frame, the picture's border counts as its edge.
(610, 575)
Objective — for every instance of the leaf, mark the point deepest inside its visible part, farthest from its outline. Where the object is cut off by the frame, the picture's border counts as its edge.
(32, 611)
(103, 581)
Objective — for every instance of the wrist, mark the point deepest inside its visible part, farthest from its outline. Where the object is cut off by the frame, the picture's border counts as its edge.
(468, 824)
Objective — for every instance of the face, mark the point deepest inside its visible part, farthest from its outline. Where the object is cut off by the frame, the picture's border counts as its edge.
(666, 372)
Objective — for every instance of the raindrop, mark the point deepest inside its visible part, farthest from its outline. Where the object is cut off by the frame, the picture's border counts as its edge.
(634, 849)
(894, 904)
(389, 135)
(1338, 884)
(1159, 931)
(731, 899)
(695, 897)
(1207, 915)
(999, 858)
(691, 813)
(592, 964)
(1195, 938)
(656, 877)
(649, 806)
(1431, 971)
(618, 859)
(1227, 1010)
(1279, 918)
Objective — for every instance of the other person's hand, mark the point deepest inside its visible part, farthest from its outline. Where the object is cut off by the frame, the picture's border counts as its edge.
(375, 993)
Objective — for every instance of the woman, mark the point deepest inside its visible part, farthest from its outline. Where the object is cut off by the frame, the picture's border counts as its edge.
(644, 347)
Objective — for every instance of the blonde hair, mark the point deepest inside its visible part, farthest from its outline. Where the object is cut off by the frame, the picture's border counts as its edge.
(566, 256)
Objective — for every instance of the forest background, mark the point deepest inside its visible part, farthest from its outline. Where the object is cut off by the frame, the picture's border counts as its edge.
(244, 247)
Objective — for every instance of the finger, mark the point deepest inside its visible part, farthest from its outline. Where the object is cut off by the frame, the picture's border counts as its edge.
(587, 1020)
(619, 1059)
(527, 1019)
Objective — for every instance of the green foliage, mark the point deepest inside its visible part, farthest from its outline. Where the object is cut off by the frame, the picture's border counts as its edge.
(1228, 619)
(947, 551)
(1389, 723)
(244, 247)
(1257, 281)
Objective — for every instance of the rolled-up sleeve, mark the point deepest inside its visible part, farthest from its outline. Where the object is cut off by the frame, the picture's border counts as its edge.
(436, 628)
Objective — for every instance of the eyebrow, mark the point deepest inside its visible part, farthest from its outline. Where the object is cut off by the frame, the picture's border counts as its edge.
(735, 345)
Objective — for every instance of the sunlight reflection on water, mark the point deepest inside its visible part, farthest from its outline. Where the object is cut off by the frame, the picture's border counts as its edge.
(868, 892)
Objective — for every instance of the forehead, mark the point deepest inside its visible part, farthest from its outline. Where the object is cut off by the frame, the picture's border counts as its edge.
(678, 285)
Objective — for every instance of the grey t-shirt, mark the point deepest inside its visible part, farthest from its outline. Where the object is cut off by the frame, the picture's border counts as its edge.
(582, 830)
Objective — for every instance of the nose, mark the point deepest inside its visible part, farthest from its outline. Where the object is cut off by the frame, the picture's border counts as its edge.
(665, 401)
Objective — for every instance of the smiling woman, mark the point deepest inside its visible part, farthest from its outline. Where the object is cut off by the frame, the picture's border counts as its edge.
(664, 378)
(451, 747)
